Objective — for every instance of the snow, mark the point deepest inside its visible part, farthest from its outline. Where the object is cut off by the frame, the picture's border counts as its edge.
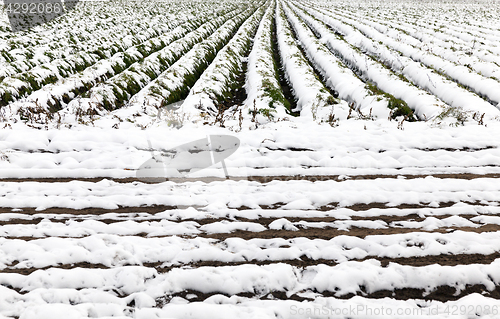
(369, 189)
(339, 78)
(114, 251)
(144, 285)
(84, 293)
(421, 148)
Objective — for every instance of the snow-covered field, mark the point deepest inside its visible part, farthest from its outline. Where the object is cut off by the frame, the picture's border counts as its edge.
(366, 182)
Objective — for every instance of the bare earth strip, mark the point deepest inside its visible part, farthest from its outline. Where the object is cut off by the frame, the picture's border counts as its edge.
(260, 179)
(304, 261)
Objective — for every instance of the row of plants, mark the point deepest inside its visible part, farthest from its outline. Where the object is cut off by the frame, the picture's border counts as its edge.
(265, 97)
(65, 38)
(445, 30)
(96, 21)
(428, 35)
(411, 94)
(102, 47)
(219, 81)
(468, 21)
(93, 35)
(24, 83)
(480, 61)
(72, 63)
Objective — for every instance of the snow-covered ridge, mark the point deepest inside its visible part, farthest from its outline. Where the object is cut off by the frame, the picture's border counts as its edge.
(172, 84)
(262, 86)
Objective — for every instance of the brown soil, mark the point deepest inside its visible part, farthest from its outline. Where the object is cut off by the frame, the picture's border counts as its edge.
(262, 220)
(311, 233)
(304, 261)
(441, 293)
(260, 179)
(161, 208)
(90, 211)
(328, 233)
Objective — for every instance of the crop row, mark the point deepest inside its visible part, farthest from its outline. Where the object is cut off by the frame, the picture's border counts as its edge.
(103, 24)
(429, 34)
(480, 61)
(309, 91)
(437, 52)
(219, 81)
(263, 89)
(338, 76)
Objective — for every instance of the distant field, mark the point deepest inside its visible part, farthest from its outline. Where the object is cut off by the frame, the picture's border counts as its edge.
(419, 60)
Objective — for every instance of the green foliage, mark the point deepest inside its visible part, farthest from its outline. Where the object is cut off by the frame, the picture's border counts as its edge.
(267, 112)
(6, 98)
(275, 94)
(330, 100)
(398, 106)
(456, 113)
